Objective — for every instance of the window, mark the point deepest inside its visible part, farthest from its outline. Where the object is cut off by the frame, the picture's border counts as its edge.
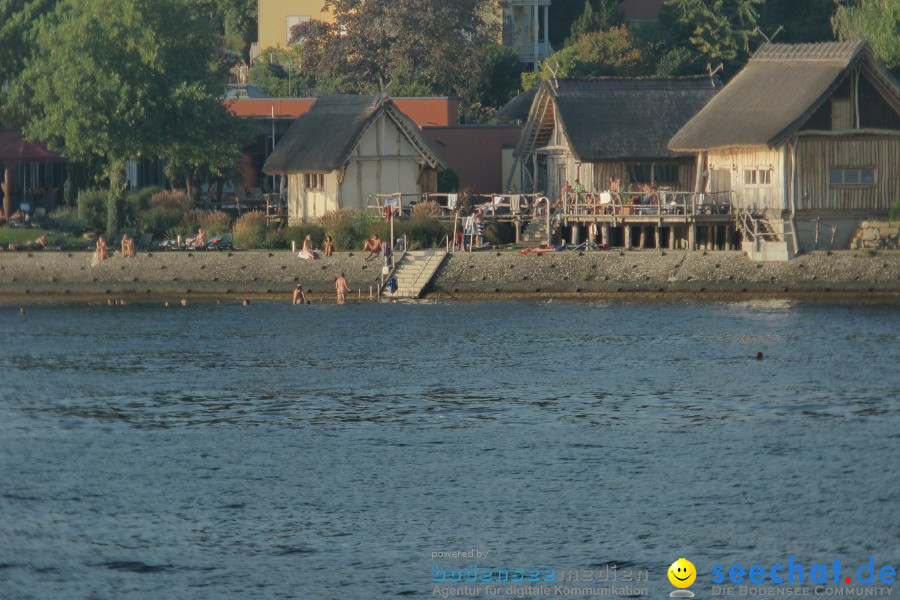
(291, 21)
(665, 173)
(851, 176)
(314, 181)
(757, 176)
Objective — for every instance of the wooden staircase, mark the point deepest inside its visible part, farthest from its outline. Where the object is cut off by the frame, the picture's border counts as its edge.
(414, 272)
(535, 233)
(764, 239)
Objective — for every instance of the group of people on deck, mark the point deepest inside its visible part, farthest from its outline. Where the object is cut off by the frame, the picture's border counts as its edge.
(576, 199)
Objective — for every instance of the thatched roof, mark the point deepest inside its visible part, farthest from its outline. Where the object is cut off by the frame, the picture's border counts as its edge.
(613, 119)
(322, 139)
(517, 108)
(778, 91)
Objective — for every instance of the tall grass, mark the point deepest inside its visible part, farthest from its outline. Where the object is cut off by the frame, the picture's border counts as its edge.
(250, 230)
(213, 223)
(349, 228)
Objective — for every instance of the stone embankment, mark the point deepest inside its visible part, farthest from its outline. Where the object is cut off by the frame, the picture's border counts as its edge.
(617, 272)
(487, 274)
(877, 235)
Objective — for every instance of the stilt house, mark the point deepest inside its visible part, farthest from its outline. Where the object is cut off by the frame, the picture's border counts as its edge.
(807, 137)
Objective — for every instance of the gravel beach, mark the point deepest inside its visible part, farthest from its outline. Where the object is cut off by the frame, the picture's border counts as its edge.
(53, 275)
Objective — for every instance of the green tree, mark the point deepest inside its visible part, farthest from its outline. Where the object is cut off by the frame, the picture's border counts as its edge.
(439, 45)
(718, 29)
(120, 79)
(497, 81)
(602, 53)
(19, 23)
(598, 15)
(876, 21)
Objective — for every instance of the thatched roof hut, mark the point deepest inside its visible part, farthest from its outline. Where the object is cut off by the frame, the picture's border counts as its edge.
(348, 147)
(806, 137)
(610, 124)
(779, 91)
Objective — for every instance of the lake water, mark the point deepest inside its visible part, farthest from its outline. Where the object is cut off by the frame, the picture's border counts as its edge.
(223, 452)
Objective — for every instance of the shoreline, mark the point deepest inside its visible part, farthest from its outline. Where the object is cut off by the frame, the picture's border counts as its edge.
(597, 275)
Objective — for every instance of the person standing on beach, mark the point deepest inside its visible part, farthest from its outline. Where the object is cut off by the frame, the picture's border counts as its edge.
(479, 227)
(328, 246)
(299, 295)
(341, 287)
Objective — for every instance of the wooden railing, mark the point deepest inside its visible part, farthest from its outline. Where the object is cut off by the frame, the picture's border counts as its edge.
(661, 203)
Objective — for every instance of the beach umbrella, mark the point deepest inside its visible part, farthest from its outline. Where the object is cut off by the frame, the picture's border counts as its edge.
(16, 150)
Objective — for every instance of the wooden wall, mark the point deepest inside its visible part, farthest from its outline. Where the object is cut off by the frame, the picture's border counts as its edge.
(816, 155)
(563, 166)
(771, 197)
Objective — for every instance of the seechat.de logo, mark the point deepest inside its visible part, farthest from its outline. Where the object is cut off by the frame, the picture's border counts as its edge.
(794, 572)
(682, 574)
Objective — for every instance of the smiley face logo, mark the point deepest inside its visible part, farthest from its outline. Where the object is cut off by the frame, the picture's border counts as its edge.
(682, 573)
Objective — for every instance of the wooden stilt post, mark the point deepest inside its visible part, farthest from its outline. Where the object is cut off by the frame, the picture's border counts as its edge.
(574, 234)
(604, 230)
(643, 238)
(672, 231)
(626, 232)
(656, 233)
(692, 237)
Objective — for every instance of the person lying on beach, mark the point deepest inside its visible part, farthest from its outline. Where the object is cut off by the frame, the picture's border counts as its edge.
(373, 246)
(38, 244)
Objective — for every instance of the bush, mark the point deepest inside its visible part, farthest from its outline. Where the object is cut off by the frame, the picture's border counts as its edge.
(349, 228)
(250, 230)
(64, 218)
(298, 233)
(92, 208)
(420, 233)
(498, 234)
(159, 220)
(428, 209)
(172, 233)
(894, 214)
(142, 196)
(168, 199)
(212, 222)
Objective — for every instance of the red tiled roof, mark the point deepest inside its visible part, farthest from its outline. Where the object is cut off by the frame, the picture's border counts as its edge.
(424, 112)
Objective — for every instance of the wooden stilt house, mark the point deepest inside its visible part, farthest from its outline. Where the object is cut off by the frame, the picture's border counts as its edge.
(807, 139)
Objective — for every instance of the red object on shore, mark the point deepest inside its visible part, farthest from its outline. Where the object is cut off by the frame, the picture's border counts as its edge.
(14, 149)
